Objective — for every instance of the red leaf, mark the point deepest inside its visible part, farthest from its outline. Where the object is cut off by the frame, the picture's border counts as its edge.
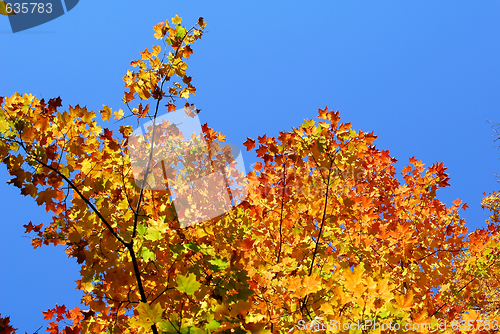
(171, 106)
(5, 327)
(249, 144)
(69, 330)
(144, 111)
(261, 151)
(49, 314)
(129, 96)
(30, 227)
(53, 328)
(54, 103)
(108, 134)
(205, 128)
(60, 310)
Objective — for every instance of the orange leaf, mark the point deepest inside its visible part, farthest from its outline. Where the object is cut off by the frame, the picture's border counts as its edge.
(249, 144)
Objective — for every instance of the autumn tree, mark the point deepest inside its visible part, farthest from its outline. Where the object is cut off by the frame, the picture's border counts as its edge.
(327, 235)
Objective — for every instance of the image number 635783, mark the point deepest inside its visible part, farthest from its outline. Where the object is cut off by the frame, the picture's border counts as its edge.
(26, 15)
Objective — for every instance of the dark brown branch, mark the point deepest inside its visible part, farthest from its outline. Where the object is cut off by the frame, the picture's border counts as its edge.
(281, 213)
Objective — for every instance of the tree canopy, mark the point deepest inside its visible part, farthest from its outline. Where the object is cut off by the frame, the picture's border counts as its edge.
(326, 238)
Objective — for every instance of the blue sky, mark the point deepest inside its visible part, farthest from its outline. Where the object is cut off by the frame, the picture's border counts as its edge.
(424, 76)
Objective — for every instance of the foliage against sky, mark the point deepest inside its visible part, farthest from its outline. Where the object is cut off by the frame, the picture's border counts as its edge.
(327, 230)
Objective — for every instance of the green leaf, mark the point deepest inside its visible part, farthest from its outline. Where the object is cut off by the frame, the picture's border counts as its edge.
(141, 229)
(177, 249)
(191, 330)
(147, 255)
(207, 250)
(243, 294)
(187, 284)
(153, 235)
(321, 146)
(212, 325)
(218, 264)
(172, 325)
(192, 246)
(181, 32)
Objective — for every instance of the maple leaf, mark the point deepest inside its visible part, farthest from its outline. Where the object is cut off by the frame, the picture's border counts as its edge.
(46, 196)
(176, 19)
(70, 330)
(60, 311)
(108, 134)
(249, 144)
(294, 283)
(159, 30)
(186, 53)
(148, 315)
(262, 139)
(187, 284)
(53, 328)
(383, 289)
(49, 314)
(106, 113)
(310, 284)
(323, 113)
(30, 227)
(354, 278)
(54, 103)
(126, 131)
(5, 326)
(143, 110)
(128, 97)
(261, 151)
(405, 302)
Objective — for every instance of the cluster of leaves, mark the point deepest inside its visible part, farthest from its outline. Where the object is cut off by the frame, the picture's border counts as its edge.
(326, 230)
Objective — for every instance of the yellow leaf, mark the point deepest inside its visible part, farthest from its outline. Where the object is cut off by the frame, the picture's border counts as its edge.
(159, 30)
(421, 317)
(405, 302)
(340, 294)
(384, 291)
(184, 94)
(106, 113)
(353, 278)
(471, 315)
(254, 318)
(327, 308)
(156, 50)
(176, 19)
(371, 284)
(118, 114)
(310, 284)
(147, 315)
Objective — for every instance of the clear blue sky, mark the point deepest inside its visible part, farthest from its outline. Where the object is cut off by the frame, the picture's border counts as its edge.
(423, 75)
